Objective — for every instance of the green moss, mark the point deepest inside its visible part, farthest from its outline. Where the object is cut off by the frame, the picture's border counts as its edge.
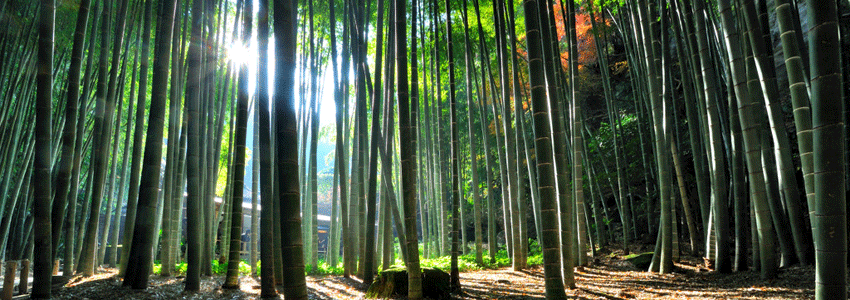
(640, 260)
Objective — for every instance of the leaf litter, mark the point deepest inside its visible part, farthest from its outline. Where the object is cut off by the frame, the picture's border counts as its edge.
(609, 277)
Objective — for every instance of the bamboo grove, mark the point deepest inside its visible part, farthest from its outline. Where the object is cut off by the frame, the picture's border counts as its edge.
(713, 128)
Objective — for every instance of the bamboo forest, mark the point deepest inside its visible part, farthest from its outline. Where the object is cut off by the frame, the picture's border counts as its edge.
(424, 149)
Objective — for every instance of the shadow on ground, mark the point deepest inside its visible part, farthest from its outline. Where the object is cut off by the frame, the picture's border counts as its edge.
(610, 277)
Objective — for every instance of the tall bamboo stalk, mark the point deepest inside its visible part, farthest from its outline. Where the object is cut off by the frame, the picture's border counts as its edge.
(544, 154)
(268, 260)
(136, 165)
(238, 165)
(43, 249)
(750, 133)
(408, 172)
(830, 222)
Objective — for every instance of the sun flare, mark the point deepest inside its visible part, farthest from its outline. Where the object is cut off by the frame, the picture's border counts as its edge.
(238, 54)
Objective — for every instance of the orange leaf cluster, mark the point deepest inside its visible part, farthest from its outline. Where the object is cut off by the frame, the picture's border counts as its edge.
(584, 36)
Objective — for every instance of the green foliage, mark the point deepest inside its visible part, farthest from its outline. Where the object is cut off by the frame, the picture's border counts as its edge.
(600, 147)
(502, 258)
(182, 267)
(218, 269)
(324, 268)
(327, 133)
(467, 262)
(221, 268)
(535, 256)
(533, 247)
(244, 268)
(535, 260)
(179, 269)
(613, 5)
(464, 263)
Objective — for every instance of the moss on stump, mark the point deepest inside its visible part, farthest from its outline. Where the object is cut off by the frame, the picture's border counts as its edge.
(393, 282)
(641, 261)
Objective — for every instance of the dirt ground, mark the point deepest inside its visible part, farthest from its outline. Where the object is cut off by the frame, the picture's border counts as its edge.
(609, 277)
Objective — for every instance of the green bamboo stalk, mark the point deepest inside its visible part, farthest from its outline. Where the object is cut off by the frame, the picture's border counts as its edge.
(473, 152)
(408, 175)
(759, 36)
(712, 119)
(43, 256)
(751, 136)
(829, 222)
(797, 83)
(238, 164)
(544, 154)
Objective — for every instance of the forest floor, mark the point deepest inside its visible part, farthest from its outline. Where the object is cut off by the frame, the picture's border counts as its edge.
(609, 277)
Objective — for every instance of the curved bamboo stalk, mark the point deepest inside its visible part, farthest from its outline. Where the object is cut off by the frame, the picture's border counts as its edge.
(749, 127)
(784, 167)
(797, 83)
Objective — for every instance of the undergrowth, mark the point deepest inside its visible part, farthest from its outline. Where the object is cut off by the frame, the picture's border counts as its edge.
(217, 268)
(466, 263)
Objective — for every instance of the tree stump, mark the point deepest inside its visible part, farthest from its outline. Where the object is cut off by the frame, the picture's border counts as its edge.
(23, 282)
(641, 261)
(9, 280)
(393, 282)
(58, 282)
